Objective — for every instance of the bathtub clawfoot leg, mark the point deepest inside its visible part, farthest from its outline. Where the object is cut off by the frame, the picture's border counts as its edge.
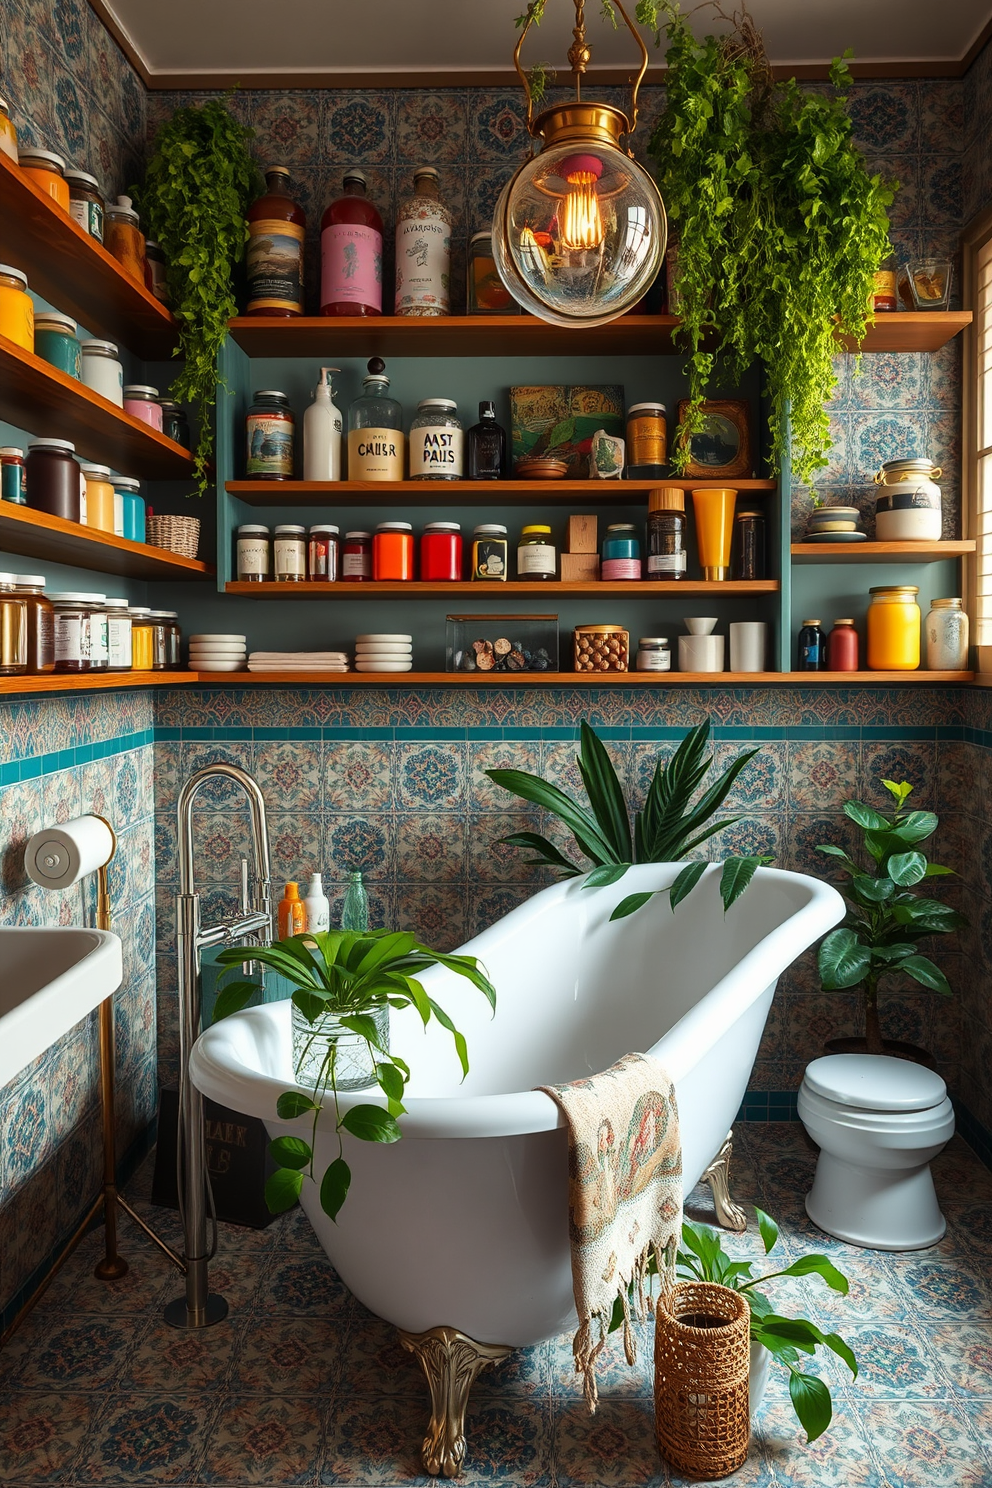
(451, 1361)
(730, 1215)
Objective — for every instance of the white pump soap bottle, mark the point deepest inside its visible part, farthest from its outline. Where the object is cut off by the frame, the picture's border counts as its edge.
(317, 905)
(322, 433)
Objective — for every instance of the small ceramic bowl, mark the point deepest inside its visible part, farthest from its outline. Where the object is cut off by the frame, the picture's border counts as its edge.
(699, 625)
(541, 469)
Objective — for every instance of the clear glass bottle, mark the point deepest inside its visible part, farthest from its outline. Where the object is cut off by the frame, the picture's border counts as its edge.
(436, 441)
(351, 252)
(376, 443)
(486, 446)
(423, 249)
(666, 533)
(355, 911)
(536, 556)
(274, 257)
(947, 636)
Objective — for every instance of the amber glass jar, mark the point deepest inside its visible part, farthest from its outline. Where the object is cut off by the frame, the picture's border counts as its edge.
(142, 655)
(46, 170)
(277, 228)
(16, 308)
(41, 622)
(13, 628)
(8, 134)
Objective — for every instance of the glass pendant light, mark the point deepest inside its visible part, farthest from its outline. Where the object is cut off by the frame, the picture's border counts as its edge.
(579, 231)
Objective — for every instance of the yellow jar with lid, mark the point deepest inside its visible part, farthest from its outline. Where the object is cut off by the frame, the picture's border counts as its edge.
(894, 625)
(142, 639)
(8, 134)
(16, 308)
(46, 170)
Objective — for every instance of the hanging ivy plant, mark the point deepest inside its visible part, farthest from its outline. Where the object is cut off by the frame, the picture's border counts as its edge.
(198, 186)
(780, 225)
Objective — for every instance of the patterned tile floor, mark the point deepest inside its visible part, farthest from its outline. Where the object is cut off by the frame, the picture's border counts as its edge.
(303, 1386)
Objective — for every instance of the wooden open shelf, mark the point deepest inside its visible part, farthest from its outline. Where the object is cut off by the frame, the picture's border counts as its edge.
(882, 552)
(468, 493)
(37, 535)
(525, 335)
(75, 273)
(94, 682)
(493, 592)
(38, 397)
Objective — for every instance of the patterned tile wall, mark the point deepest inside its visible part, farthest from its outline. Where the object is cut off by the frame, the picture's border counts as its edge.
(60, 758)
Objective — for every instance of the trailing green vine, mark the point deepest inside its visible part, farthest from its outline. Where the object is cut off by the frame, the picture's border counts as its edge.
(198, 186)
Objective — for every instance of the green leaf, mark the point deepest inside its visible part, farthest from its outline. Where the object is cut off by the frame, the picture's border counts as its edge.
(811, 1402)
(334, 1187)
(579, 822)
(604, 792)
(819, 1265)
(833, 851)
(867, 890)
(293, 1103)
(923, 970)
(928, 915)
(290, 1152)
(934, 870)
(630, 904)
(282, 1189)
(609, 873)
(684, 883)
(388, 948)
(391, 1081)
(232, 998)
(312, 1006)
(768, 1229)
(737, 874)
(866, 817)
(547, 853)
(916, 826)
(371, 1124)
(842, 960)
(461, 1048)
(901, 791)
(365, 1026)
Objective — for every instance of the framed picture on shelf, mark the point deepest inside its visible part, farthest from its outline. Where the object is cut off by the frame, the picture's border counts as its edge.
(721, 449)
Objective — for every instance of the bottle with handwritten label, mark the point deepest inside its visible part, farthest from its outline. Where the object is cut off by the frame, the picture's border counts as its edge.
(423, 249)
(376, 443)
(436, 441)
(274, 256)
(351, 252)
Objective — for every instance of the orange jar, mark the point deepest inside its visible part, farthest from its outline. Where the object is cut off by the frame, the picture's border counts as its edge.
(392, 551)
(46, 170)
(8, 134)
(894, 626)
(99, 497)
(123, 238)
(16, 308)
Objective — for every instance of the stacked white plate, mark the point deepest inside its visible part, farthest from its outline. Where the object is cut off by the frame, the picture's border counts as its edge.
(217, 653)
(383, 653)
(298, 661)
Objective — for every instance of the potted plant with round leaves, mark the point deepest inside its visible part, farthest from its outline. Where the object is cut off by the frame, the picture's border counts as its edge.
(345, 982)
(887, 917)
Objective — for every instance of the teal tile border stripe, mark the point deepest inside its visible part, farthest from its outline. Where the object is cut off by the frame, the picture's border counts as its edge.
(34, 765)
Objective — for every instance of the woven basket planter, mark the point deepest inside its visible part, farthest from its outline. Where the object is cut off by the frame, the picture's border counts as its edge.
(179, 534)
(701, 1379)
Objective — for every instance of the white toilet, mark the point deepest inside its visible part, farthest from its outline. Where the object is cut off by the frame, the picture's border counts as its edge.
(878, 1123)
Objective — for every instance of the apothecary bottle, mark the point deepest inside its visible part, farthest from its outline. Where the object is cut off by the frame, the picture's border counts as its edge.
(486, 446)
(41, 622)
(54, 479)
(486, 294)
(441, 552)
(123, 237)
(356, 557)
(812, 655)
(101, 371)
(947, 636)
(16, 308)
(376, 444)
(8, 134)
(323, 553)
(436, 441)
(55, 342)
(355, 911)
(253, 566)
(351, 252)
(269, 433)
(423, 249)
(749, 542)
(392, 551)
(290, 554)
(274, 257)
(666, 533)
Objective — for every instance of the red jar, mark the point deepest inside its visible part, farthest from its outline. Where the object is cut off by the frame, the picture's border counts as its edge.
(441, 552)
(356, 557)
(392, 551)
(842, 647)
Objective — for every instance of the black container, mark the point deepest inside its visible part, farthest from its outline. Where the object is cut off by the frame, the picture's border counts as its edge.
(175, 424)
(749, 542)
(53, 478)
(486, 458)
(812, 648)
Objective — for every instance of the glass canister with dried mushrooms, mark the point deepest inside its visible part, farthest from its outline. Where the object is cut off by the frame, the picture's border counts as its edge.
(601, 648)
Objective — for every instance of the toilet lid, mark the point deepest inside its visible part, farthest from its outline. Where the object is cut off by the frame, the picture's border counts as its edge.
(875, 1082)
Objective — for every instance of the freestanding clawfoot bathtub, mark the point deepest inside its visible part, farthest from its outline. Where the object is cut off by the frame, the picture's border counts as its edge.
(458, 1234)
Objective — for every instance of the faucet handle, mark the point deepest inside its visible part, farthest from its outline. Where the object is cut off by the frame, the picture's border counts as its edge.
(245, 906)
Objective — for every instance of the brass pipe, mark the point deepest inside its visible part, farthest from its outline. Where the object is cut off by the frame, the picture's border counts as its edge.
(142, 1224)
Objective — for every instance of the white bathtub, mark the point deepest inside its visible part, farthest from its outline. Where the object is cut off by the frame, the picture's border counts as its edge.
(464, 1222)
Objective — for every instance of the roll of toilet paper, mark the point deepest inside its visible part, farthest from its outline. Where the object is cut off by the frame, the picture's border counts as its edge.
(58, 857)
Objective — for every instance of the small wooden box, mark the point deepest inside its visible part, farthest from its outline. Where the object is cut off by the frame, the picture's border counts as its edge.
(577, 568)
(583, 534)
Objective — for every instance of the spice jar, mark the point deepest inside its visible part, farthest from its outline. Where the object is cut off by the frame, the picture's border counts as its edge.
(141, 638)
(812, 655)
(436, 441)
(155, 271)
(85, 202)
(392, 551)
(16, 308)
(54, 479)
(55, 342)
(13, 484)
(601, 648)
(41, 623)
(666, 533)
(80, 632)
(536, 556)
(129, 508)
(46, 170)
(441, 553)
(290, 554)
(99, 497)
(118, 635)
(175, 424)
(123, 239)
(947, 636)
(486, 294)
(8, 134)
(749, 527)
(322, 553)
(13, 628)
(166, 640)
(646, 441)
(101, 371)
(489, 552)
(356, 557)
(621, 553)
(269, 433)
(842, 647)
(141, 402)
(654, 654)
(894, 624)
(252, 554)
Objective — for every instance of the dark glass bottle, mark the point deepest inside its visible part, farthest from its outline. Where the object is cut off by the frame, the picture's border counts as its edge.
(351, 252)
(812, 648)
(274, 258)
(486, 446)
(750, 545)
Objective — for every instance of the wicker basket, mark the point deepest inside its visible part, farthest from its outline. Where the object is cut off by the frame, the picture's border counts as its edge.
(179, 534)
(701, 1379)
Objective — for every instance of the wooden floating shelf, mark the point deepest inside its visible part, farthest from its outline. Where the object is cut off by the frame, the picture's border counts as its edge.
(491, 593)
(37, 535)
(525, 335)
(468, 493)
(38, 397)
(882, 552)
(75, 273)
(94, 682)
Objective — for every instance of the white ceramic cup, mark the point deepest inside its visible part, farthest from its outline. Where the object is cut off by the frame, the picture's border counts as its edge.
(701, 653)
(748, 645)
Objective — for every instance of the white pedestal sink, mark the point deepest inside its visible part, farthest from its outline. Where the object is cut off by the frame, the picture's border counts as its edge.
(50, 977)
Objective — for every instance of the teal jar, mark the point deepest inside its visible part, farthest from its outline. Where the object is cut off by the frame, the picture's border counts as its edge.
(55, 342)
(621, 552)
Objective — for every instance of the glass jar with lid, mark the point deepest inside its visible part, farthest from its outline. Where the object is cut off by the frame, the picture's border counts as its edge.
(654, 654)
(392, 551)
(13, 482)
(142, 651)
(323, 550)
(141, 402)
(356, 557)
(894, 624)
(486, 292)
(666, 533)
(166, 640)
(253, 554)
(647, 441)
(129, 508)
(749, 544)
(441, 553)
(490, 552)
(101, 371)
(80, 632)
(156, 277)
(376, 444)
(290, 554)
(175, 424)
(436, 441)
(41, 623)
(16, 308)
(86, 202)
(13, 628)
(45, 170)
(54, 480)
(270, 430)
(55, 341)
(947, 636)
(8, 134)
(118, 635)
(621, 552)
(536, 556)
(99, 497)
(123, 237)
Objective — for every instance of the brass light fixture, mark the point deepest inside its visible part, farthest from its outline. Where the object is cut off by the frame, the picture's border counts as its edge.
(579, 232)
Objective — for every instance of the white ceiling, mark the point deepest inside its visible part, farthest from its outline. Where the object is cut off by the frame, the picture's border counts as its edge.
(434, 37)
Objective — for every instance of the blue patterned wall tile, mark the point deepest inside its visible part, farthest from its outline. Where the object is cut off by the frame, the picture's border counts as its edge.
(357, 775)
(290, 775)
(435, 912)
(432, 847)
(431, 777)
(886, 117)
(431, 127)
(363, 843)
(822, 773)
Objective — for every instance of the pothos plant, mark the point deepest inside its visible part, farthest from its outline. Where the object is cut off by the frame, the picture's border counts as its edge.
(347, 976)
(198, 186)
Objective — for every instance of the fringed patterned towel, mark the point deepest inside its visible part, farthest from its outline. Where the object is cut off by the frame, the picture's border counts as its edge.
(624, 1196)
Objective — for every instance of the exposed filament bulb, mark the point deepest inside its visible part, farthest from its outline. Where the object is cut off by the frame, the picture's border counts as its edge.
(582, 222)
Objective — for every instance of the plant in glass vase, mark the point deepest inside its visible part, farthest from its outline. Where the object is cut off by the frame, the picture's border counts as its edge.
(345, 982)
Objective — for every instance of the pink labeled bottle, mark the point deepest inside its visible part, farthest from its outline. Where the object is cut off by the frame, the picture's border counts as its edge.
(351, 252)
